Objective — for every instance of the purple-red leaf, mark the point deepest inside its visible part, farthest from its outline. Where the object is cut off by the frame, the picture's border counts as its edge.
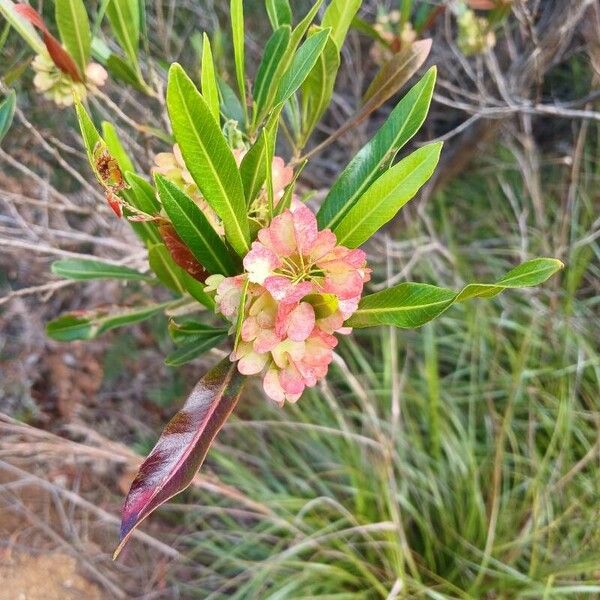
(182, 447)
(62, 59)
(182, 256)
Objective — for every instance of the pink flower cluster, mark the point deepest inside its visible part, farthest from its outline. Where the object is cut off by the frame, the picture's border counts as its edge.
(300, 288)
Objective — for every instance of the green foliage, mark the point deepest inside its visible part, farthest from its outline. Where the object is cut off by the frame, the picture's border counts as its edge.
(411, 305)
(279, 12)
(194, 229)
(85, 270)
(274, 53)
(402, 124)
(386, 196)
(7, 112)
(194, 339)
(124, 17)
(208, 157)
(303, 62)
(74, 28)
(339, 16)
(69, 328)
(210, 88)
(236, 9)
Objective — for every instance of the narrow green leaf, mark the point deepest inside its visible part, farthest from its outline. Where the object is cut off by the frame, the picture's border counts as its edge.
(279, 12)
(317, 90)
(339, 16)
(195, 289)
(22, 26)
(115, 147)
(121, 70)
(141, 196)
(74, 28)
(7, 112)
(210, 89)
(144, 193)
(124, 17)
(182, 331)
(165, 268)
(382, 201)
(194, 229)
(68, 328)
(193, 349)
(236, 8)
(296, 36)
(89, 133)
(85, 270)
(302, 64)
(253, 170)
(208, 157)
(272, 56)
(402, 124)
(300, 30)
(230, 103)
(411, 305)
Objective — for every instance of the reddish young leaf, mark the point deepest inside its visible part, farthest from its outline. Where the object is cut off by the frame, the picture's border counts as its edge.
(62, 59)
(394, 74)
(182, 447)
(482, 4)
(180, 253)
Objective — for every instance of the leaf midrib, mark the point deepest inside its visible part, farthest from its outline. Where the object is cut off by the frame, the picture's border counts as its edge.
(366, 182)
(374, 207)
(214, 172)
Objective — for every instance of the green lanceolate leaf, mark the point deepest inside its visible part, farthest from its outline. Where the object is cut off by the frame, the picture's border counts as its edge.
(7, 112)
(193, 349)
(338, 16)
(265, 77)
(183, 331)
(74, 28)
(89, 133)
(84, 270)
(164, 268)
(236, 8)
(141, 196)
(386, 196)
(124, 17)
(302, 64)
(86, 327)
(253, 170)
(210, 89)
(145, 199)
(194, 229)
(317, 90)
(230, 103)
(402, 124)
(279, 12)
(115, 147)
(208, 157)
(411, 305)
(295, 38)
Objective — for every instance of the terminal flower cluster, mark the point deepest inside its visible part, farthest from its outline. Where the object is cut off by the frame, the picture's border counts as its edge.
(298, 289)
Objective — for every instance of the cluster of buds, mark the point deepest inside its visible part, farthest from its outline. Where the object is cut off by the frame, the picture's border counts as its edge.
(298, 289)
(395, 35)
(171, 165)
(475, 36)
(58, 86)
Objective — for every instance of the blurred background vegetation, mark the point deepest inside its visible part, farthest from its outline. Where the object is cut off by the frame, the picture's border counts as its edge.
(461, 460)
